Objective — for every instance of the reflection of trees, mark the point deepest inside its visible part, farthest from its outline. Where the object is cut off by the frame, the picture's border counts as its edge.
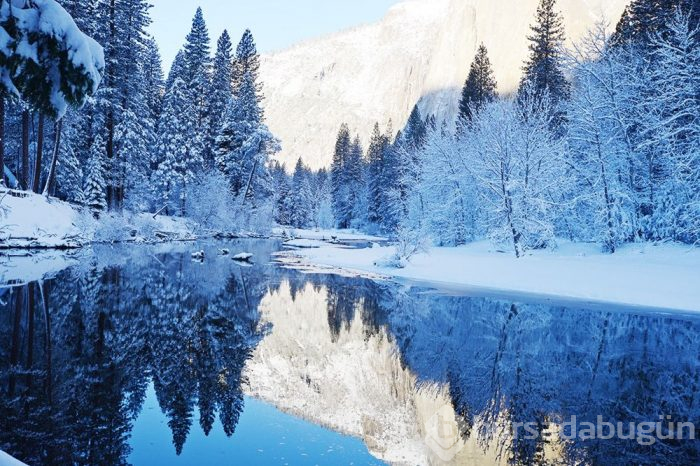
(75, 363)
(531, 363)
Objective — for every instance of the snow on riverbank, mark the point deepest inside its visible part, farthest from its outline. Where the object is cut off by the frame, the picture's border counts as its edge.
(32, 221)
(663, 276)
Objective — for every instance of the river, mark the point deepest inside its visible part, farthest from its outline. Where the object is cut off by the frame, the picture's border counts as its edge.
(140, 354)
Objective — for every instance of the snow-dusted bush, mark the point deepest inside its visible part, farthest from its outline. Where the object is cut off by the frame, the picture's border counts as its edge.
(211, 204)
(409, 242)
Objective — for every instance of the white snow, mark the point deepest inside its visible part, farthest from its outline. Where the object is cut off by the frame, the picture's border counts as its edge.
(421, 51)
(664, 276)
(29, 220)
(7, 460)
(324, 235)
(243, 257)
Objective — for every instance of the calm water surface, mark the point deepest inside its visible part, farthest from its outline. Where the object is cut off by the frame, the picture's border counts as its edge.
(140, 355)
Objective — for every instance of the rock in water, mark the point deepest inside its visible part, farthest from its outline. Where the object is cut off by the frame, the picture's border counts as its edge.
(243, 257)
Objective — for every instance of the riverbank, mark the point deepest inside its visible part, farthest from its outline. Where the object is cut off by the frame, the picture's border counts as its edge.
(658, 276)
(31, 221)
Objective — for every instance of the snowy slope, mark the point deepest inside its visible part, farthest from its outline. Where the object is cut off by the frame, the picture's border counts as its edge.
(421, 51)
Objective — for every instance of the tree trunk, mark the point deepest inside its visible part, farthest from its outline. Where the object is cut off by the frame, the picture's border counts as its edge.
(24, 181)
(54, 158)
(39, 155)
(2, 140)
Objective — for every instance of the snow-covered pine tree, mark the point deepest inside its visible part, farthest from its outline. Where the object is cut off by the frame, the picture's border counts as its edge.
(221, 84)
(339, 182)
(543, 70)
(94, 189)
(198, 79)
(178, 163)
(376, 153)
(355, 175)
(480, 87)
(177, 70)
(51, 65)
(244, 146)
(644, 19)
(154, 81)
(282, 194)
(301, 213)
(247, 61)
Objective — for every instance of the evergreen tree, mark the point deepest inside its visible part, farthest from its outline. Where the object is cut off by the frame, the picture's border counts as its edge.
(643, 19)
(244, 145)
(154, 81)
(178, 162)
(94, 190)
(197, 77)
(301, 211)
(221, 91)
(543, 71)
(177, 70)
(480, 87)
(376, 155)
(247, 61)
(339, 182)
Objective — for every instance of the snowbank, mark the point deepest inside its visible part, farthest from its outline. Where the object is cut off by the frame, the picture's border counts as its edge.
(324, 235)
(32, 221)
(645, 275)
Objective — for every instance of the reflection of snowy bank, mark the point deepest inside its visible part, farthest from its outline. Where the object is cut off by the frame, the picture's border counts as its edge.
(22, 267)
(353, 382)
(644, 275)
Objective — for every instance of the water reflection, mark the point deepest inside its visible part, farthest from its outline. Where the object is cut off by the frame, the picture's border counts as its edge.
(377, 361)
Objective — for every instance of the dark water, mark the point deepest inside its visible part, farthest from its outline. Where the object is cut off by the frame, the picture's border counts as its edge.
(140, 355)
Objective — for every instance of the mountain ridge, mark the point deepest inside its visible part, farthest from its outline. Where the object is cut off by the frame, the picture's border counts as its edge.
(419, 52)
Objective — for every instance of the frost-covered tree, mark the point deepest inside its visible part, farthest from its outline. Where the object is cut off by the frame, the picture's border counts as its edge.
(301, 209)
(543, 71)
(480, 88)
(197, 77)
(221, 85)
(376, 159)
(94, 189)
(178, 164)
(516, 162)
(244, 146)
(342, 209)
(247, 61)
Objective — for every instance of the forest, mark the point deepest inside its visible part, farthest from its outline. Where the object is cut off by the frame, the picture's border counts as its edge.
(600, 143)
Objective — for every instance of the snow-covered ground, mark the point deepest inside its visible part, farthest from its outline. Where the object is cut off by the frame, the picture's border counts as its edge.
(324, 235)
(32, 221)
(664, 276)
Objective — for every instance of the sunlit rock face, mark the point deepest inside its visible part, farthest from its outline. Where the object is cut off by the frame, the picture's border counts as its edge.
(420, 52)
(353, 381)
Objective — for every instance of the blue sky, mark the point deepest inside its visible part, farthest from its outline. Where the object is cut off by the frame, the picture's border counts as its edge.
(276, 24)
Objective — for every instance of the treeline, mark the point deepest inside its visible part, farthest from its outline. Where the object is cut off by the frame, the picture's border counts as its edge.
(145, 142)
(600, 143)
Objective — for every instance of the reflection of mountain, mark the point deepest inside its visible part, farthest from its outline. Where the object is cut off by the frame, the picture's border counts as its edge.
(79, 366)
(418, 376)
(380, 364)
